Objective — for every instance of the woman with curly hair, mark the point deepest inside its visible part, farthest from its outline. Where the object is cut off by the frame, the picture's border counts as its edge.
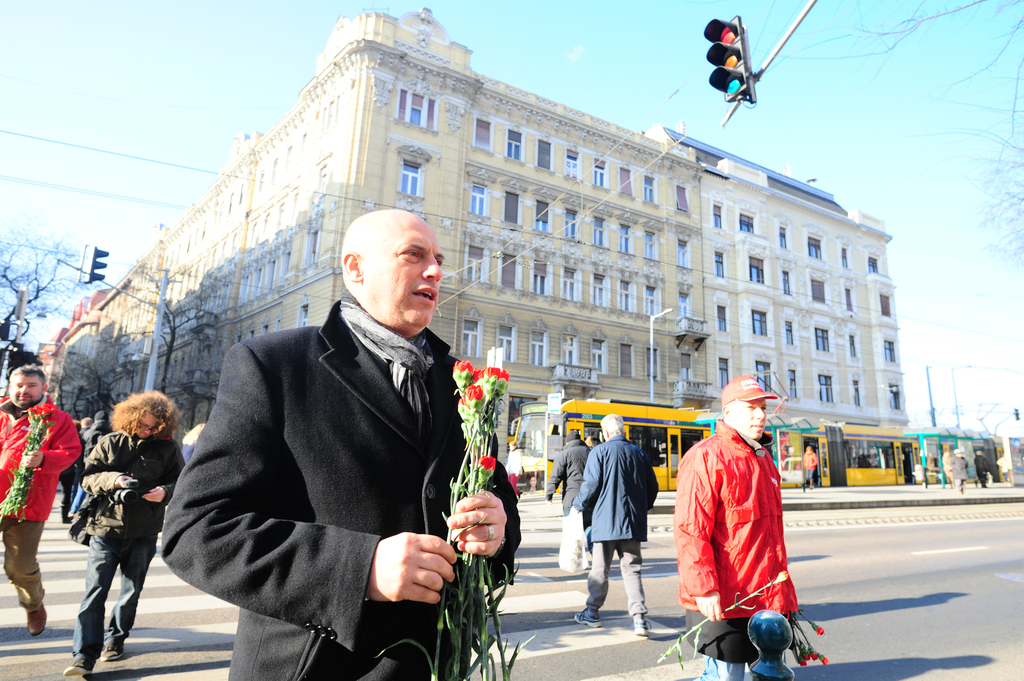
(132, 471)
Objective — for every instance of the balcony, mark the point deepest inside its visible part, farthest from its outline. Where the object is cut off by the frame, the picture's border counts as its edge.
(574, 381)
(695, 331)
(692, 390)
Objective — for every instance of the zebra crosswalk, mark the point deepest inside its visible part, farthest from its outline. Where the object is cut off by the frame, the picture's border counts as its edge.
(183, 634)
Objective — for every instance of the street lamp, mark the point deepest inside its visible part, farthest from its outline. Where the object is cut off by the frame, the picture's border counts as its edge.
(650, 350)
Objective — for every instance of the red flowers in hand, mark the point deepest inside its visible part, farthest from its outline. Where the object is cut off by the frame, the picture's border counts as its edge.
(487, 462)
(819, 631)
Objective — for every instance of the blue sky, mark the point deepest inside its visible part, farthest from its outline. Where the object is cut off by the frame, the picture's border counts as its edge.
(906, 136)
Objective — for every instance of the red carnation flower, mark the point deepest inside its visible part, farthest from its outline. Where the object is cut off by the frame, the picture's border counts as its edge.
(814, 656)
(487, 462)
(820, 631)
(474, 393)
(803, 663)
(464, 375)
(824, 660)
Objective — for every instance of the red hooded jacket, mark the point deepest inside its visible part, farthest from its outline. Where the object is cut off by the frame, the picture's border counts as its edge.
(728, 526)
(60, 449)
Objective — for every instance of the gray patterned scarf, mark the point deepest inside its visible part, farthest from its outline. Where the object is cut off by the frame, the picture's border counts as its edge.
(409, 360)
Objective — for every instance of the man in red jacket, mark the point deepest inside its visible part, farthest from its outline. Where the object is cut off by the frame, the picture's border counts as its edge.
(728, 531)
(21, 532)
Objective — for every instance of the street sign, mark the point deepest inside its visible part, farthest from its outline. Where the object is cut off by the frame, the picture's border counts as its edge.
(554, 403)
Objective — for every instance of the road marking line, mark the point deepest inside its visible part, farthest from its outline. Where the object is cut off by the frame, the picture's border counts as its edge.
(928, 553)
(669, 670)
(542, 602)
(70, 586)
(68, 612)
(555, 640)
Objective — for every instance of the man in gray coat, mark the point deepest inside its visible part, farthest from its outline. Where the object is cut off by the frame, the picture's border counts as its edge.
(620, 486)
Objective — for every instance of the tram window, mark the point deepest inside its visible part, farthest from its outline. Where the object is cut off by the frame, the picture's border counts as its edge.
(688, 438)
(870, 454)
(652, 440)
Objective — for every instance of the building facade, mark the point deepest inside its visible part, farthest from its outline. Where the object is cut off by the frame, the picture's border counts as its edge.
(566, 238)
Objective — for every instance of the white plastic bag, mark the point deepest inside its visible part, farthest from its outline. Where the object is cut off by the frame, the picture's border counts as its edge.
(572, 555)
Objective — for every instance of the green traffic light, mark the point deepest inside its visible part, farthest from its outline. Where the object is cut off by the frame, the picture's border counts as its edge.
(733, 86)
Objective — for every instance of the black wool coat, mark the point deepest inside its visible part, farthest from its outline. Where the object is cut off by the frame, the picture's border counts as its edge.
(309, 458)
(567, 470)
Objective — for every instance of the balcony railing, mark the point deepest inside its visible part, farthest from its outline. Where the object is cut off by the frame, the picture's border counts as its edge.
(562, 373)
(692, 390)
(693, 330)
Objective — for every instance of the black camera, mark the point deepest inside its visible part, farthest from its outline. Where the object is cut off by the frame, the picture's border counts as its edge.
(129, 495)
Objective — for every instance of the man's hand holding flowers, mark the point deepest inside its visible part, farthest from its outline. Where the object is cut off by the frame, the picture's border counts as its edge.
(479, 523)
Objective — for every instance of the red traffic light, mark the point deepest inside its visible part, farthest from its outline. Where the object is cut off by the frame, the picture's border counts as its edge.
(728, 54)
(728, 37)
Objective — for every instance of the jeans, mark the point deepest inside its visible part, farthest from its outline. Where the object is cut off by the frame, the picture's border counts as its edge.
(630, 562)
(106, 554)
(716, 670)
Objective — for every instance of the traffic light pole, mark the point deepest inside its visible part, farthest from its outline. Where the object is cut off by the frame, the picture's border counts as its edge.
(157, 331)
(774, 53)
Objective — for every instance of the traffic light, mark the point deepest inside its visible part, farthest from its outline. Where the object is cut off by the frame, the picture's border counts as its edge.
(91, 258)
(17, 356)
(1016, 414)
(730, 55)
(5, 330)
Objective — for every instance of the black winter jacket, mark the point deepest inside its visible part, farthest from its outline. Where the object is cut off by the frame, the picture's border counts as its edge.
(567, 470)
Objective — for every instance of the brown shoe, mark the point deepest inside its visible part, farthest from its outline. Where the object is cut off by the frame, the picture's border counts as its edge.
(37, 620)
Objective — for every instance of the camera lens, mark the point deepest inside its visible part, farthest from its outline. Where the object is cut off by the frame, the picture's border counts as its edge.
(126, 496)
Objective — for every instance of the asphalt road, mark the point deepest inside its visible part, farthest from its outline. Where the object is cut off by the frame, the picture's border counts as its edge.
(931, 600)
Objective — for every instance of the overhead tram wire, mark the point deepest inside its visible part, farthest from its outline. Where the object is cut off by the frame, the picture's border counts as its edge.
(90, 192)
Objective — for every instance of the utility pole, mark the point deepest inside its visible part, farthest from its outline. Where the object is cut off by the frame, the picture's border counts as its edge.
(157, 332)
(931, 404)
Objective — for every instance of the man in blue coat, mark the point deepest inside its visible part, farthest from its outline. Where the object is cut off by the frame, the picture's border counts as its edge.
(620, 486)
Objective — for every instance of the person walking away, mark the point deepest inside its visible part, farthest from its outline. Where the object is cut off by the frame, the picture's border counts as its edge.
(810, 466)
(26, 388)
(133, 471)
(567, 471)
(729, 533)
(619, 487)
(947, 467)
(959, 470)
(981, 469)
(188, 443)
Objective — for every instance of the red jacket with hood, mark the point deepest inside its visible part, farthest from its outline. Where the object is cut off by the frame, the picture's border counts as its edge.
(60, 449)
(728, 526)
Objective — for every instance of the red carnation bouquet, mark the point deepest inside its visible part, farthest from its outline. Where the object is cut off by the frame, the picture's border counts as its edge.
(40, 420)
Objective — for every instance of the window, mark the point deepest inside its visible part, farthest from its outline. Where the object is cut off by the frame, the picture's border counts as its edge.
(475, 268)
(506, 341)
(817, 291)
(757, 270)
(746, 223)
(624, 296)
(243, 290)
(782, 238)
(540, 276)
(684, 305)
(329, 121)
(273, 171)
(894, 397)
(570, 352)
(313, 243)
(597, 356)
(538, 348)
(287, 158)
(626, 360)
(685, 362)
(651, 368)
(478, 200)
(681, 202)
(263, 174)
(541, 223)
(760, 323)
(649, 245)
(303, 318)
(681, 253)
(649, 300)
(417, 110)
(265, 329)
(544, 154)
(853, 345)
(410, 179)
(514, 145)
(483, 135)
(508, 271)
(512, 208)
(723, 373)
(856, 393)
(763, 370)
(872, 266)
(720, 265)
(846, 263)
(722, 324)
(471, 338)
(599, 297)
(786, 290)
(717, 216)
(598, 232)
(599, 173)
(625, 182)
(884, 302)
(572, 164)
(890, 350)
(569, 284)
(821, 339)
(649, 189)
(849, 300)
(623, 238)
(814, 248)
(824, 388)
(322, 187)
(792, 384)
(789, 333)
(570, 225)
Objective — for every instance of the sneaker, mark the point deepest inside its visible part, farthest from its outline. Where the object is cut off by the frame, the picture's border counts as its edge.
(80, 667)
(113, 651)
(641, 628)
(584, 617)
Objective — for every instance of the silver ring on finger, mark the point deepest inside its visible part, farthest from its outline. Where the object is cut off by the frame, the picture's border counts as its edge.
(490, 533)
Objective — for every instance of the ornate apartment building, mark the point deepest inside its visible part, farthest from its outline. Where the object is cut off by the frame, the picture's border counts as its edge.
(564, 235)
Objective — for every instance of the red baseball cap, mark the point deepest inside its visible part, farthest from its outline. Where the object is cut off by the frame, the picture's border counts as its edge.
(745, 388)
